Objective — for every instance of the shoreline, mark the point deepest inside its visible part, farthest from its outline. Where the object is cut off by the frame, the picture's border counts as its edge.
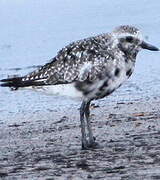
(48, 146)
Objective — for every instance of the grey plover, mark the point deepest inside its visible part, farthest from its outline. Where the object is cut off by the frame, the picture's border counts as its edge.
(90, 69)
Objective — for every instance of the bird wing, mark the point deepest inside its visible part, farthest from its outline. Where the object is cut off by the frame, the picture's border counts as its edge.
(81, 60)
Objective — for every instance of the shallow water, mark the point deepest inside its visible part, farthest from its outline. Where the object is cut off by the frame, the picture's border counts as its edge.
(33, 31)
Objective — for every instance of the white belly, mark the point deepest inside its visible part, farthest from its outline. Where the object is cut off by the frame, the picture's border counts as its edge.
(60, 90)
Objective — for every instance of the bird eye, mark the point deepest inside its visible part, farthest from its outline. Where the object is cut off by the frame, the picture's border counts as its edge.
(129, 38)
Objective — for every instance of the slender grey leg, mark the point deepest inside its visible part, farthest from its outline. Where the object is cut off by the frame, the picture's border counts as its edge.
(90, 133)
(82, 112)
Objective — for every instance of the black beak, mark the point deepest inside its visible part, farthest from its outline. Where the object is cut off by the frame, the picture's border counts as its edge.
(150, 47)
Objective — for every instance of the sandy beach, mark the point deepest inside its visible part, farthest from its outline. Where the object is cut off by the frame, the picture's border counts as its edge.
(49, 149)
(40, 137)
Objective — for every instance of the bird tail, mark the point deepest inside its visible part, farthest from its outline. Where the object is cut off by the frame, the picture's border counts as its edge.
(19, 82)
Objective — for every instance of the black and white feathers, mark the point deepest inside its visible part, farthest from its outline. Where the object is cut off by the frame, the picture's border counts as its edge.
(90, 65)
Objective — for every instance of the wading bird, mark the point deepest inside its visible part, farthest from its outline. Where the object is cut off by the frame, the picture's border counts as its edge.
(90, 69)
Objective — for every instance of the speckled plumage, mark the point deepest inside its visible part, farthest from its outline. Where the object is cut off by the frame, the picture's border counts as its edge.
(66, 66)
(86, 64)
(91, 68)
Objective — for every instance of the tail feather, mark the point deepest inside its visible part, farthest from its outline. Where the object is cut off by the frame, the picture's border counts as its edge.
(16, 82)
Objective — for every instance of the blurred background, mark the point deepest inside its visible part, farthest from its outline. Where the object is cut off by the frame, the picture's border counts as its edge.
(32, 31)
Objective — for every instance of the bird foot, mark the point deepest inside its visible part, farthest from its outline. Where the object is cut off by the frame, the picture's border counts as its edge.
(90, 145)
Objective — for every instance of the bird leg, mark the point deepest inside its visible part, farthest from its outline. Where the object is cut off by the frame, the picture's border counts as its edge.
(82, 112)
(90, 133)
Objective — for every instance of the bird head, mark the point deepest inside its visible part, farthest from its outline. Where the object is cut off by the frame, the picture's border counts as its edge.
(130, 41)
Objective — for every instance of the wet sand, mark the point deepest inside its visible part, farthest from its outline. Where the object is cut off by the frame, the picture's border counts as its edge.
(39, 136)
(48, 144)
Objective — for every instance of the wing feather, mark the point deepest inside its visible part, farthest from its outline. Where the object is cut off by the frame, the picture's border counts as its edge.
(81, 60)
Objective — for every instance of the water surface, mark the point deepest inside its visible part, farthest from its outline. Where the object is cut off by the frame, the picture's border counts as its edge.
(33, 31)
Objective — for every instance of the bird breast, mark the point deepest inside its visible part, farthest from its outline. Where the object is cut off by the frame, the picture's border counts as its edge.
(104, 87)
